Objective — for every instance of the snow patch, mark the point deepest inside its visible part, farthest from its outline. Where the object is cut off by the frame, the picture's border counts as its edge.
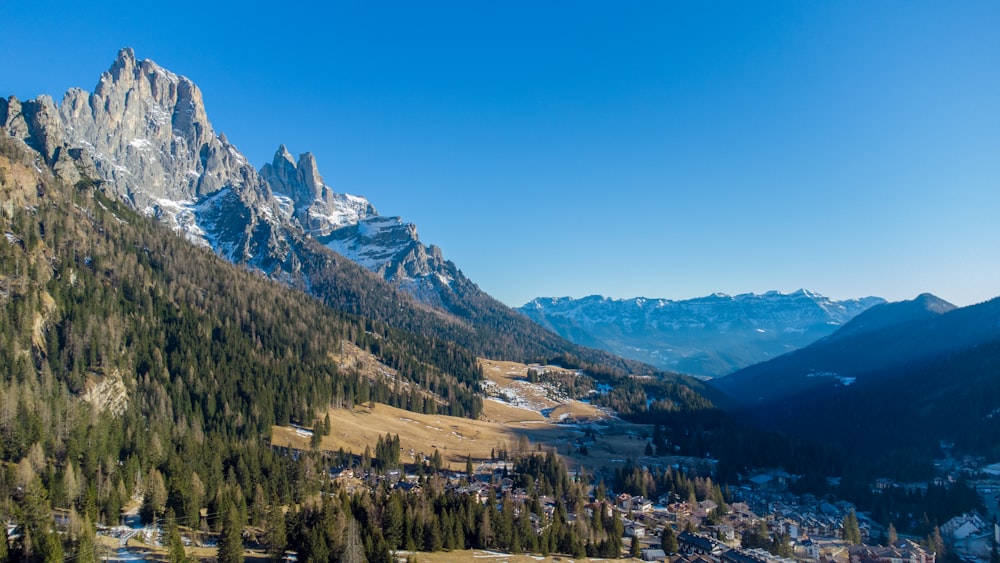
(157, 114)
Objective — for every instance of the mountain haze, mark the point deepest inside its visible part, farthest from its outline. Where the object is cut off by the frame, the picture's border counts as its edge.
(707, 336)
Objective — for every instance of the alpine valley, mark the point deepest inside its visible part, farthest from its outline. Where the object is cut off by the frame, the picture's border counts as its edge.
(200, 360)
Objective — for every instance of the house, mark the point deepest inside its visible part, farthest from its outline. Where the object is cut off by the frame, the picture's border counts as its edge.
(650, 554)
(706, 508)
(790, 527)
(811, 548)
(408, 487)
(635, 530)
(641, 504)
(740, 556)
(699, 544)
(341, 473)
(904, 551)
(624, 501)
(726, 533)
(680, 509)
(970, 535)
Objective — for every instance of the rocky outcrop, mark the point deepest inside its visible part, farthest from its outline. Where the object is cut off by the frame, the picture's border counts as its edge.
(107, 393)
(37, 124)
(149, 134)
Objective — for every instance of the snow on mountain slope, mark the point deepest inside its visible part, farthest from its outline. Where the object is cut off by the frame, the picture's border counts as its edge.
(707, 336)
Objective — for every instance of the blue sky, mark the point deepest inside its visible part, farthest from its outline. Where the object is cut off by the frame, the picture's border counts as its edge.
(658, 149)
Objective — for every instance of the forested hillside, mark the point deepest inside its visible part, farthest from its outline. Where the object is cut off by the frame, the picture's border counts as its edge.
(137, 367)
(131, 360)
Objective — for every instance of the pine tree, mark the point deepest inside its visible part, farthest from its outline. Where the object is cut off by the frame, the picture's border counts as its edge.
(893, 536)
(155, 500)
(354, 551)
(392, 522)
(231, 538)
(851, 533)
(175, 547)
(937, 542)
(635, 548)
(86, 546)
(276, 533)
(668, 540)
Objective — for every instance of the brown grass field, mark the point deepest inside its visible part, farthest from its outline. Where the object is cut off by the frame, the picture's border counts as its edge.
(501, 426)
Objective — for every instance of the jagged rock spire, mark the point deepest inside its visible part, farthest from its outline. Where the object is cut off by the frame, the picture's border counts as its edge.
(315, 205)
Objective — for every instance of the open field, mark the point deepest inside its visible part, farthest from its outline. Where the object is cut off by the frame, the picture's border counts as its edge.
(521, 416)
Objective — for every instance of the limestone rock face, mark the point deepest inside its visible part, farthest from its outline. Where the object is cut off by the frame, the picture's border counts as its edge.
(148, 135)
(147, 129)
(37, 124)
(300, 190)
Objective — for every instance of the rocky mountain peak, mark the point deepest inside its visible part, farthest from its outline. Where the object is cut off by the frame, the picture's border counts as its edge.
(283, 155)
(143, 133)
(309, 174)
(145, 136)
(306, 197)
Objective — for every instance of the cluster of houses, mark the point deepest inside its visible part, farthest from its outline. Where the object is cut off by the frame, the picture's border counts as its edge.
(813, 525)
(904, 551)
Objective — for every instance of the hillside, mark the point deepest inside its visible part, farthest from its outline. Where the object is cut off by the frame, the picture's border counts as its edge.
(176, 349)
(138, 366)
(912, 374)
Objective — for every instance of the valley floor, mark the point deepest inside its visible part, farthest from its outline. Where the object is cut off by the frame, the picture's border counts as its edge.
(518, 416)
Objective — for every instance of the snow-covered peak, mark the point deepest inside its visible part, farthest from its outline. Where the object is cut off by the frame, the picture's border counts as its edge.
(709, 335)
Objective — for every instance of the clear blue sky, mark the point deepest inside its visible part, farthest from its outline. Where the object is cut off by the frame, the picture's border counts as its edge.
(659, 149)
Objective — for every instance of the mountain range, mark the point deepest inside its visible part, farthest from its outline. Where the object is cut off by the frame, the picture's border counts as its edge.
(143, 136)
(707, 336)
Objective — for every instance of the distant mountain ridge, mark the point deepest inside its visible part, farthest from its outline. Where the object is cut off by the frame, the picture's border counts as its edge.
(707, 336)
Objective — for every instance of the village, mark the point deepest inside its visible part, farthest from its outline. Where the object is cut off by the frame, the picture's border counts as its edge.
(759, 521)
(812, 529)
